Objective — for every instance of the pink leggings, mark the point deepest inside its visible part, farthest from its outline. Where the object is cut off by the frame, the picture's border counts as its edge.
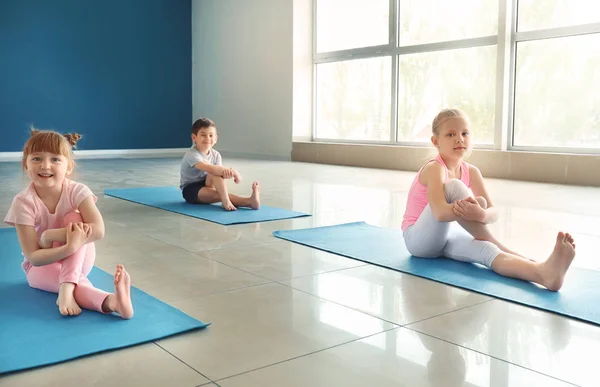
(74, 269)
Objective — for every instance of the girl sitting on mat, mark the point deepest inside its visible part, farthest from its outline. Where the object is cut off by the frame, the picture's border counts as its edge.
(441, 194)
(57, 223)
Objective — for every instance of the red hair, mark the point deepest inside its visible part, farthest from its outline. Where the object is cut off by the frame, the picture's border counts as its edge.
(51, 142)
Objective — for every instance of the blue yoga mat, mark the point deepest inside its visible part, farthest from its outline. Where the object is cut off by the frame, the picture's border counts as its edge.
(578, 298)
(33, 333)
(170, 199)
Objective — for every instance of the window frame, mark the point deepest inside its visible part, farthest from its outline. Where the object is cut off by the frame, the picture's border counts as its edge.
(506, 45)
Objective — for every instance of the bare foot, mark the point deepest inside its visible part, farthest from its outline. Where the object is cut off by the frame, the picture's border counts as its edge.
(570, 239)
(66, 300)
(120, 300)
(555, 267)
(255, 197)
(228, 205)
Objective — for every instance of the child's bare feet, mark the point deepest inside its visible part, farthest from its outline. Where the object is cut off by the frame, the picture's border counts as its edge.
(555, 267)
(120, 300)
(255, 197)
(228, 205)
(67, 305)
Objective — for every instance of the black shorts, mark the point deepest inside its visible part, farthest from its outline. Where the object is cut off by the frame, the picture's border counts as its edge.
(190, 191)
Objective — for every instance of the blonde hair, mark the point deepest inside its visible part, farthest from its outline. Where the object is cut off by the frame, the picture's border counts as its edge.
(443, 116)
(51, 142)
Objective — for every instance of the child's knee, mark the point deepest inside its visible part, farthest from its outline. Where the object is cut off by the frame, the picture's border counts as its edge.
(72, 217)
(210, 180)
(482, 202)
(455, 189)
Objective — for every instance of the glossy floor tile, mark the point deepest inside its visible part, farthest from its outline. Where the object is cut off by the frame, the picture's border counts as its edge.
(540, 341)
(143, 365)
(285, 314)
(386, 294)
(261, 325)
(395, 358)
(281, 260)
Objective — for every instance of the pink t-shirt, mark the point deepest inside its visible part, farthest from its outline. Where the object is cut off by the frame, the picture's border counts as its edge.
(28, 209)
(417, 195)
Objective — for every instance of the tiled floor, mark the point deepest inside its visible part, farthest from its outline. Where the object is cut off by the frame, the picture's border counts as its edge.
(287, 315)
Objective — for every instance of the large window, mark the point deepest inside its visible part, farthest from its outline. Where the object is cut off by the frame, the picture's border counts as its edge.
(353, 99)
(342, 33)
(430, 21)
(463, 78)
(384, 68)
(544, 14)
(557, 82)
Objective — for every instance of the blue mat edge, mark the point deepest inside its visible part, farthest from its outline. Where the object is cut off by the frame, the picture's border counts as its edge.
(277, 234)
(198, 326)
(115, 348)
(114, 195)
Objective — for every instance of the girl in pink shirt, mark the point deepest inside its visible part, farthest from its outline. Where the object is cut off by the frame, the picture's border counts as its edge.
(448, 189)
(57, 222)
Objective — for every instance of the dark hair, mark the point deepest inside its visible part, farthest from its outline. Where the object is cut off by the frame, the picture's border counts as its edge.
(50, 141)
(203, 123)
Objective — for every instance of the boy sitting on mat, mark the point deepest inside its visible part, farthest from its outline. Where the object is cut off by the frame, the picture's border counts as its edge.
(203, 174)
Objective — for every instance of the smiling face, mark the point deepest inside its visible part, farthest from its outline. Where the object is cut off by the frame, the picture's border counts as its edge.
(47, 159)
(453, 138)
(205, 139)
(48, 170)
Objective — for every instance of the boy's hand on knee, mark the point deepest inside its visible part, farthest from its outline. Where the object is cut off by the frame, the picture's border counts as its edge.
(227, 173)
(236, 176)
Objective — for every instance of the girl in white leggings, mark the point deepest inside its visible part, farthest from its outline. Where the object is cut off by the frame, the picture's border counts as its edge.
(448, 189)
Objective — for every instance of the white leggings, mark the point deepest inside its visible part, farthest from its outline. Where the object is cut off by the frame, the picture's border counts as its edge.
(429, 238)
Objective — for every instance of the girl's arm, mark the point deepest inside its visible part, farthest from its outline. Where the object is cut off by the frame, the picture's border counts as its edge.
(32, 252)
(53, 235)
(92, 216)
(479, 189)
(433, 175)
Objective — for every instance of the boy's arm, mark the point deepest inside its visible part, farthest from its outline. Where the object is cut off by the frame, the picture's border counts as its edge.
(215, 170)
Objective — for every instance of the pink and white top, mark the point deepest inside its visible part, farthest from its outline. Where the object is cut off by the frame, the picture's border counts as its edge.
(28, 209)
(417, 195)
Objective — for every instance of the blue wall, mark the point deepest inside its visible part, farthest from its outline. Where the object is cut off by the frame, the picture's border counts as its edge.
(117, 71)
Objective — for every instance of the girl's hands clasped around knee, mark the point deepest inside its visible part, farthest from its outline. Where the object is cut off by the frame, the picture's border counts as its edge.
(469, 209)
(78, 235)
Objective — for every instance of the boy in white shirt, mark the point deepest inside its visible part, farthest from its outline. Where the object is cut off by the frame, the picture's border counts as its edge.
(203, 174)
